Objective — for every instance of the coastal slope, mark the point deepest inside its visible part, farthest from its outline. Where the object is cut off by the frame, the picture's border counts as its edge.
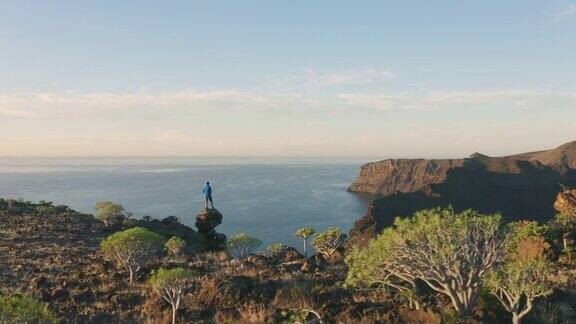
(521, 186)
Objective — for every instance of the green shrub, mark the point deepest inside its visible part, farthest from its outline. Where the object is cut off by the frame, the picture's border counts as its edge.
(563, 233)
(517, 283)
(133, 247)
(523, 275)
(22, 309)
(449, 251)
(276, 248)
(372, 267)
(329, 241)
(46, 210)
(170, 285)
(241, 245)
(111, 213)
(129, 223)
(305, 233)
(175, 245)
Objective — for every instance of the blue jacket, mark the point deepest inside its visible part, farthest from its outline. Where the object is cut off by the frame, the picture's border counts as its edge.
(207, 191)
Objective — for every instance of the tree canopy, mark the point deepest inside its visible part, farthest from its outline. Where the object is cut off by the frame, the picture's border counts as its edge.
(133, 247)
(447, 250)
(241, 245)
(110, 213)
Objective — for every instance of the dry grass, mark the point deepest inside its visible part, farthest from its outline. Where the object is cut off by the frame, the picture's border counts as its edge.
(371, 295)
(377, 316)
(298, 295)
(207, 294)
(255, 312)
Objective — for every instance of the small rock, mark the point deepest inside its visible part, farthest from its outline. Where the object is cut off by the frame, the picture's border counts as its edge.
(258, 260)
(39, 282)
(309, 265)
(290, 254)
(60, 294)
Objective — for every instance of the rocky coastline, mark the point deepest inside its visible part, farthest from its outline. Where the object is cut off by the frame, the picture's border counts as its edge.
(521, 186)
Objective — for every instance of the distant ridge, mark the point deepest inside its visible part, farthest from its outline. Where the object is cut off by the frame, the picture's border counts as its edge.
(410, 175)
(520, 186)
(563, 157)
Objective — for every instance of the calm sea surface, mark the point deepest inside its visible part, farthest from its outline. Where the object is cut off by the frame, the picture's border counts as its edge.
(268, 198)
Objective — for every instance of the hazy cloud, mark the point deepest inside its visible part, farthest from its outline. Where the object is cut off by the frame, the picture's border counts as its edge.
(38, 105)
(519, 99)
(47, 105)
(569, 10)
(312, 78)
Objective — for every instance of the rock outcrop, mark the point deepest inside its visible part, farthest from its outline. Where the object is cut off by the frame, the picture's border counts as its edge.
(521, 186)
(170, 226)
(566, 202)
(206, 222)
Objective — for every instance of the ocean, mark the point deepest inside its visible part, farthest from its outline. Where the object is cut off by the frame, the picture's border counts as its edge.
(268, 198)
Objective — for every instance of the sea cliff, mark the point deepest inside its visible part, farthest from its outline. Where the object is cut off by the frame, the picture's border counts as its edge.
(521, 186)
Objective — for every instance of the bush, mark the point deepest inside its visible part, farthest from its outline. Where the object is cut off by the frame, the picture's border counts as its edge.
(329, 241)
(111, 213)
(518, 282)
(372, 267)
(276, 248)
(22, 309)
(175, 246)
(129, 223)
(563, 232)
(241, 245)
(524, 274)
(46, 210)
(170, 284)
(304, 233)
(133, 247)
(449, 251)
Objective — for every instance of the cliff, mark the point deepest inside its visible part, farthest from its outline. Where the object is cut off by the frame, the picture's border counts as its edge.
(391, 176)
(521, 186)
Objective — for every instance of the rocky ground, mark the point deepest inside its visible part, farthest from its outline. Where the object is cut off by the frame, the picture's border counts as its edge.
(52, 254)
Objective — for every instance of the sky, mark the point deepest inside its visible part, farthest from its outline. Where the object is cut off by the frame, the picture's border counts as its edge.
(286, 78)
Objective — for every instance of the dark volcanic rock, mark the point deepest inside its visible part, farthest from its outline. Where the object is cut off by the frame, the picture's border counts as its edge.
(520, 186)
(208, 219)
(171, 226)
(290, 254)
(206, 223)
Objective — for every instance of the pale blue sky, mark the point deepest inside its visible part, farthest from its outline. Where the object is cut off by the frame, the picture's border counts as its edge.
(295, 78)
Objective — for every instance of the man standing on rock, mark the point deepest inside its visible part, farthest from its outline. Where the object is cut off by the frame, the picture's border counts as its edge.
(208, 195)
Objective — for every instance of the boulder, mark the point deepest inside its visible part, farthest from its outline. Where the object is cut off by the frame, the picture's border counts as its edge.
(258, 260)
(566, 202)
(208, 219)
(534, 247)
(309, 265)
(206, 222)
(290, 254)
